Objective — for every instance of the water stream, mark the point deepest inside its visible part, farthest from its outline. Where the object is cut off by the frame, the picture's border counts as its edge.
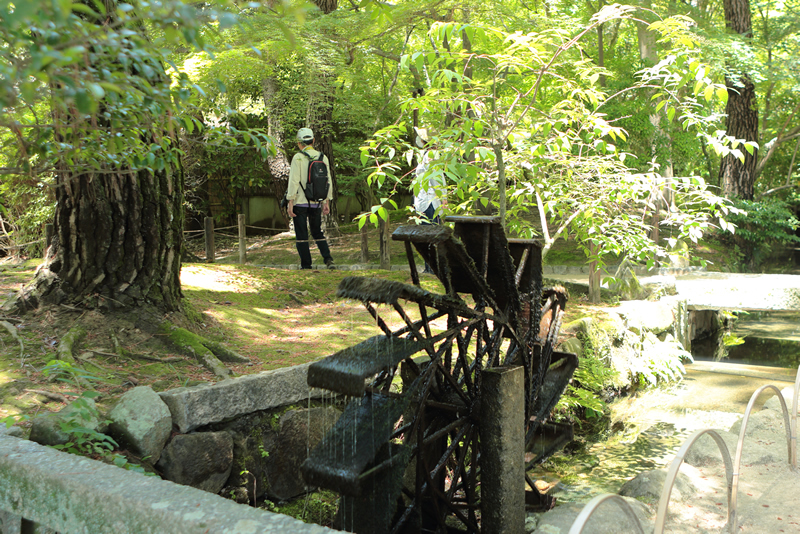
(657, 422)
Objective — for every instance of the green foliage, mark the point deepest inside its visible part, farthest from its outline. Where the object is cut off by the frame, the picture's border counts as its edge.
(521, 131)
(64, 371)
(92, 87)
(764, 226)
(583, 396)
(659, 363)
(318, 507)
(83, 439)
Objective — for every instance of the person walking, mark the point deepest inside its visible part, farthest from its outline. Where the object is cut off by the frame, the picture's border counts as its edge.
(307, 215)
(426, 202)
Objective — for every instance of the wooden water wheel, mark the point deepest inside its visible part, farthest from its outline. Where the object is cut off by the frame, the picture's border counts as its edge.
(405, 455)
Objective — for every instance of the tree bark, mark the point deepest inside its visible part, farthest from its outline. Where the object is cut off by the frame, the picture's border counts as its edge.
(736, 178)
(120, 238)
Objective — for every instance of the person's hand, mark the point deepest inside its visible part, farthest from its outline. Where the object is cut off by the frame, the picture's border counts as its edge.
(290, 209)
(326, 209)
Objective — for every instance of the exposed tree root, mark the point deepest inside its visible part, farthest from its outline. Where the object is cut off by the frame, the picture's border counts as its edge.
(58, 397)
(223, 353)
(13, 331)
(195, 346)
(68, 341)
(42, 289)
(86, 358)
(124, 353)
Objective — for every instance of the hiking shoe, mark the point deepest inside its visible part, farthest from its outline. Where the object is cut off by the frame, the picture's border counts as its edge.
(329, 263)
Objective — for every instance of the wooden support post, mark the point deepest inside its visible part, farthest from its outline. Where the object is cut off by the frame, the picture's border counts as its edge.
(209, 230)
(242, 240)
(502, 425)
(364, 244)
(384, 245)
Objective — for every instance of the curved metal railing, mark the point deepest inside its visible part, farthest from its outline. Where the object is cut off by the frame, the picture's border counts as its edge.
(731, 467)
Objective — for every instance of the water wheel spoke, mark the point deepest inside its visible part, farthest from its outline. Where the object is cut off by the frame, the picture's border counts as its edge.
(413, 328)
(457, 482)
(426, 322)
(446, 430)
(453, 446)
(378, 319)
(412, 263)
(454, 384)
(462, 363)
(417, 324)
(406, 515)
(472, 525)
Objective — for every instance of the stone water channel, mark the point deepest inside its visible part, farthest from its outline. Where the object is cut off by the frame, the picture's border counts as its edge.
(759, 346)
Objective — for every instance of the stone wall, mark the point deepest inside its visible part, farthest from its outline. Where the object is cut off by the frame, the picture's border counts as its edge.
(244, 438)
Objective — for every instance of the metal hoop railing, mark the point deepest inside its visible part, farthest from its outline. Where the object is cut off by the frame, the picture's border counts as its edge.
(591, 506)
(740, 443)
(672, 474)
(731, 468)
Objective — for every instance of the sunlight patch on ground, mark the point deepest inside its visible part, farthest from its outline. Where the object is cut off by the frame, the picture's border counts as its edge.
(5, 378)
(268, 312)
(216, 279)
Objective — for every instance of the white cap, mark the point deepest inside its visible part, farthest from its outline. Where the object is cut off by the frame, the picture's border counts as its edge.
(305, 135)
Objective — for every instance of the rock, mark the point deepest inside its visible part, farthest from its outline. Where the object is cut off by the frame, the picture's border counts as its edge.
(202, 460)
(607, 519)
(704, 323)
(193, 407)
(531, 521)
(13, 431)
(572, 345)
(648, 486)
(705, 452)
(626, 284)
(773, 403)
(300, 431)
(644, 316)
(655, 287)
(765, 427)
(580, 325)
(239, 495)
(46, 429)
(679, 255)
(141, 422)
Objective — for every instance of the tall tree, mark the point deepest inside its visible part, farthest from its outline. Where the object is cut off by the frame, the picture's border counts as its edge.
(110, 144)
(737, 177)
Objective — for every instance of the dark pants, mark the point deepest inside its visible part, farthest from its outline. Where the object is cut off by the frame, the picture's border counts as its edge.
(428, 218)
(305, 217)
(428, 214)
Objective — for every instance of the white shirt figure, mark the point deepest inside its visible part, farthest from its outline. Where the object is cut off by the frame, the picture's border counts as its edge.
(427, 195)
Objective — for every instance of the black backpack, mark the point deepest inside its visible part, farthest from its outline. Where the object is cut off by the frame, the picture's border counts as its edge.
(316, 189)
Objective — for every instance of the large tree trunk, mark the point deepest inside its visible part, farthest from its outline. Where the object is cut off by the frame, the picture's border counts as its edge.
(118, 243)
(120, 238)
(736, 178)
